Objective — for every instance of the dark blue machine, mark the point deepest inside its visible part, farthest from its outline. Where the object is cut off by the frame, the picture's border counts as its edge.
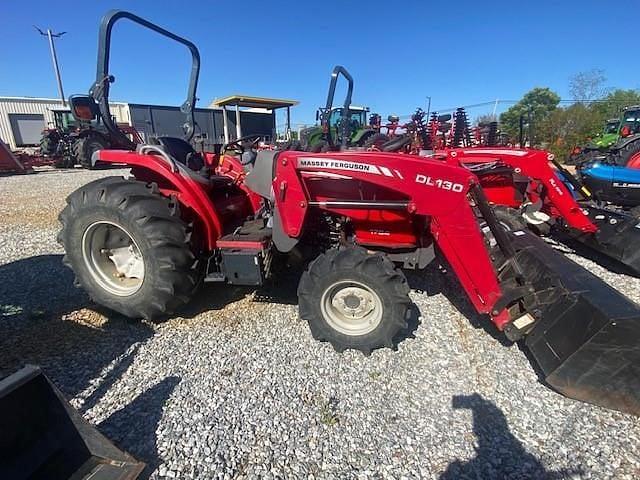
(612, 183)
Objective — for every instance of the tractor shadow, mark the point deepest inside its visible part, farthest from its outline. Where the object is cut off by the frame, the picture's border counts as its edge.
(499, 454)
(45, 320)
(133, 428)
(280, 287)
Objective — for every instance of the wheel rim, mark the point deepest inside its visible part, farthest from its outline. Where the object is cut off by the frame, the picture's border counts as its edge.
(113, 258)
(351, 308)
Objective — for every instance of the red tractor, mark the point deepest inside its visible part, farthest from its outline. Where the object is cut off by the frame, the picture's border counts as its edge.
(142, 246)
(532, 189)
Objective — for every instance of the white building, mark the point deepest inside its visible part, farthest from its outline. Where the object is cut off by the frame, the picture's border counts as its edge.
(22, 119)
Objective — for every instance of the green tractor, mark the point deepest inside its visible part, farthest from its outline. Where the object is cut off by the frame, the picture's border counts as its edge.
(626, 149)
(620, 141)
(340, 127)
(608, 136)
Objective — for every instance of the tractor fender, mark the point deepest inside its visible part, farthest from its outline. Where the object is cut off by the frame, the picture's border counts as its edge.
(314, 137)
(91, 132)
(623, 142)
(362, 134)
(173, 179)
(283, 242)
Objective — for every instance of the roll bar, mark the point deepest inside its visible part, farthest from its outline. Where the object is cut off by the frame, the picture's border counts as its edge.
(346, 112)
(100, 89)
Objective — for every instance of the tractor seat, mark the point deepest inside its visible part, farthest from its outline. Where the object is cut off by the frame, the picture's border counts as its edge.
(184, 154)
(182, 151)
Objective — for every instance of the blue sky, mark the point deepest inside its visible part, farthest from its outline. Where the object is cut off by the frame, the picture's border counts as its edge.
(458, 52)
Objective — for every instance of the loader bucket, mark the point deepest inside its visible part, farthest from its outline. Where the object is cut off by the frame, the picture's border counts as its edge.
(618, 236)
(587, 338)
(43, 437)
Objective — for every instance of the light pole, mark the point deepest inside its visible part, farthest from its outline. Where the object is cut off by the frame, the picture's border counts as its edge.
(54, 58)
(428, 106)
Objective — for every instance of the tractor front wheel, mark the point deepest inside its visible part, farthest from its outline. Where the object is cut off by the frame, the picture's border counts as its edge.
(49, 143)
(128, 247)
(354, 299)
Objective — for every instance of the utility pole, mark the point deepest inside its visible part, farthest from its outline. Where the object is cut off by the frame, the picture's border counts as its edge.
(428, 106)
(54, 58)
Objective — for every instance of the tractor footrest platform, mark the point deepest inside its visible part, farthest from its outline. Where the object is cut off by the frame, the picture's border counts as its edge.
(243, 256)
(253, 234)
(587, 337)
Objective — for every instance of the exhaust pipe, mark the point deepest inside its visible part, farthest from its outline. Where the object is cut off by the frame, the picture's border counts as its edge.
(586, 338)
(42, 436)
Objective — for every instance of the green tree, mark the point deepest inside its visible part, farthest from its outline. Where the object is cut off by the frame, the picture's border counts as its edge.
(571, 126)
(611, 106)
(537, 104)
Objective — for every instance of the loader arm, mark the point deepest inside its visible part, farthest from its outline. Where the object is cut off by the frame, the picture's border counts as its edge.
(430, 189)
(534, 164)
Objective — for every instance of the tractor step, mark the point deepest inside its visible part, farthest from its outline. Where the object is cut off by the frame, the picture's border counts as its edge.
(243, 257)
(618, 236)
(586, 338)
(251, 234)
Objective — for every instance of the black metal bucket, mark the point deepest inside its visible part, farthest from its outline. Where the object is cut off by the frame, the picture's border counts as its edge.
(618, 236)
(587, 338)
(43, 437)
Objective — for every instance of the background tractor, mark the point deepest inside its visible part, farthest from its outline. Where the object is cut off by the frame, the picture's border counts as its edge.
(598, 145)
(72, 140)
(620, 141)
(340, 127)
(63, 124)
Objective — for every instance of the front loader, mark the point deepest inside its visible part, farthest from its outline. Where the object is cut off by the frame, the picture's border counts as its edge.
(143, 245)
(43, 437)
(534, 183)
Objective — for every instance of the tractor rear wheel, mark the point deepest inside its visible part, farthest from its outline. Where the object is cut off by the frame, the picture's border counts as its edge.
(354, 299)
(629, 155)
(84, 147)
(128, 247)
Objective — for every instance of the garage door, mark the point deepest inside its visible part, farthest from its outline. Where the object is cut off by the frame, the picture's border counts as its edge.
(27, 128)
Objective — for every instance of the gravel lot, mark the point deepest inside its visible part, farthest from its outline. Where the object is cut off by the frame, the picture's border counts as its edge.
(237, 388)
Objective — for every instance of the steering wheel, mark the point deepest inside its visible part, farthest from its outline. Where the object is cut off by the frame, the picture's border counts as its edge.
(242, 143)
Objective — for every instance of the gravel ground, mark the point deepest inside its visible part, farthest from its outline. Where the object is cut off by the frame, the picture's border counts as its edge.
(237, 388)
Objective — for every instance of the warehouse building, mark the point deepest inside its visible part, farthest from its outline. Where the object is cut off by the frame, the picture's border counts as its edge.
(22, 120)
